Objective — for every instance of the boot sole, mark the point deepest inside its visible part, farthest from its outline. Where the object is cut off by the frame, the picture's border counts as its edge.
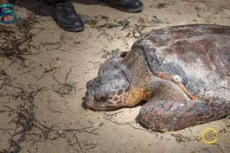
(71, 29)
(68, 28)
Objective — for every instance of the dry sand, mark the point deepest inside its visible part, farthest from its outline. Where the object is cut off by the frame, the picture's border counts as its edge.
(42, 90)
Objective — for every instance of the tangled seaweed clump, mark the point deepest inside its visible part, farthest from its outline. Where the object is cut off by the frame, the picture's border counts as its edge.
(15, 41)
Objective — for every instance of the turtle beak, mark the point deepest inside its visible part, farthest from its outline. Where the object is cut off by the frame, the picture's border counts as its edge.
(88, 98)
(83, 105)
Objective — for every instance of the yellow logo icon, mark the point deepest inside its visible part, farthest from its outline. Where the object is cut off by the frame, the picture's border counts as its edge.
(209, 135)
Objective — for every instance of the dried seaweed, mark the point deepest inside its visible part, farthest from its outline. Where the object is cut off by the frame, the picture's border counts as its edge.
(94, 20)
(108, 54)
(138, 31)
(25, 119)
(15, 41)
(104, 22)
(109, 117)
(5, 79)
(124, 23)
(155, 19)
(26, 122)
(161, 5)
(66, 88)
(182, 138)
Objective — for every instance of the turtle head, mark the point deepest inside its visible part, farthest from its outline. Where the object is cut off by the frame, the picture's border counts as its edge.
(118, 82)
(109, 90)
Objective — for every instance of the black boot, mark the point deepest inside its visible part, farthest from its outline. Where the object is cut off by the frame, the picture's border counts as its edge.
(67, 17)
(132, 6)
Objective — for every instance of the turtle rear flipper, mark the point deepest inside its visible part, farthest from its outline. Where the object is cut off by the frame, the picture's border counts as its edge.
(172, 115)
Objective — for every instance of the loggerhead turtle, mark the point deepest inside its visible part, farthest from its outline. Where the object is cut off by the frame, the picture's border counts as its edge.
(182, 72)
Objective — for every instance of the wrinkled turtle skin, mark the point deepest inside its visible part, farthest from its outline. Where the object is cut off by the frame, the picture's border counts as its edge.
(183, 72)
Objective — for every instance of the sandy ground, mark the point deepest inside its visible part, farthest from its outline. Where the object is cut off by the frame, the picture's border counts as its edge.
(44, 71)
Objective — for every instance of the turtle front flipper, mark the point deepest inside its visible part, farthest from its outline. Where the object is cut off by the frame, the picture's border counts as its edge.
(171, 115)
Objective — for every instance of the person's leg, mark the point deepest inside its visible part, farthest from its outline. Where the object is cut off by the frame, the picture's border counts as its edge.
(6, 12)
(132, 6)
(68, 19)
(66, 16)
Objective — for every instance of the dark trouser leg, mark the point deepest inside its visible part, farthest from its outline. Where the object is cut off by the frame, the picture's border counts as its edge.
(4, 1)
(54, 1)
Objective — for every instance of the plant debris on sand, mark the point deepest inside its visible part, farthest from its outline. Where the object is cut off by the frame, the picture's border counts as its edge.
(15, 42)
(15, 47)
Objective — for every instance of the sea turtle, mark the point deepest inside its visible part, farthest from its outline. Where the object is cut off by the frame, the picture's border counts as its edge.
(182, 72)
